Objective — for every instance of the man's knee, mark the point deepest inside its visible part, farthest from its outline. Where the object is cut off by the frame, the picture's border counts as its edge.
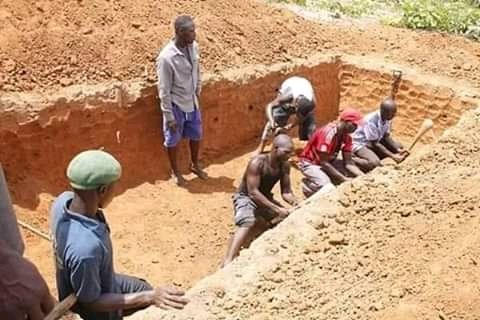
(373, 163)
(309, 187)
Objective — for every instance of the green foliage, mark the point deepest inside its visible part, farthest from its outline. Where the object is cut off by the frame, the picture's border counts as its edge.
(297, 2)
(456, 16)
(352, 8)
(450, 16)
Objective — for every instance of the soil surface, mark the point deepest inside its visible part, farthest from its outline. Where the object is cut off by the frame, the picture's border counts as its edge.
(399, 243)
(49, 44)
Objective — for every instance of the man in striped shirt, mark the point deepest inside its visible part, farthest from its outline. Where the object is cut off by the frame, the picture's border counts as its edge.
(372, 141)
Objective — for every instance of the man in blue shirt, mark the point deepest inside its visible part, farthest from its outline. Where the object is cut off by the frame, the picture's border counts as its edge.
(83, 248)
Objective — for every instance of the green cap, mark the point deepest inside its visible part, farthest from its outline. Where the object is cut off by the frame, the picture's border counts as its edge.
(93, 168)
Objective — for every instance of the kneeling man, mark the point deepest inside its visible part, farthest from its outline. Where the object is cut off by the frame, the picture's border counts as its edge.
(372, 141)
(318, 161)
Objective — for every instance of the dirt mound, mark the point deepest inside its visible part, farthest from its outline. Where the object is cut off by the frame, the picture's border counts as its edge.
(401, 243)
(49, 44)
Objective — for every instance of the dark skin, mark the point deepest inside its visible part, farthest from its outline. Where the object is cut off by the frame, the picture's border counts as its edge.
(281, 99)
(88, 203)
(277, 160)
(343, 127)
(185, 35)
(23, 294)
(387, 147)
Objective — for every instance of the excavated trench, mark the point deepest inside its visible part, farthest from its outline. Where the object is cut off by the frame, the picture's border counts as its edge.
(161, 232)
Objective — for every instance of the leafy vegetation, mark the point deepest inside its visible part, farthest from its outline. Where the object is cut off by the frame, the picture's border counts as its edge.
(456, 16)
(450, 16)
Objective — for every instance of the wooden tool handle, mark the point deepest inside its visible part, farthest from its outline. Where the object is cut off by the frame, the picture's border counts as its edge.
(426, 125)
(62, 308)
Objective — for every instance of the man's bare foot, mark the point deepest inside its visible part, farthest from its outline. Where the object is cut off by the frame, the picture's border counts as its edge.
(196, 169)
(178, 179)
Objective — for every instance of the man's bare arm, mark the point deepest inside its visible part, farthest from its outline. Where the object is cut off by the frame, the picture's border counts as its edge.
(286, 186)
(350, 165)
(277, 101)
(23, 292)
(328, 167)
(163, 297)
(253, 184)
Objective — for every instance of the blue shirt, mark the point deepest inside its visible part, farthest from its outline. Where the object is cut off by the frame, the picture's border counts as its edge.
(84, 257)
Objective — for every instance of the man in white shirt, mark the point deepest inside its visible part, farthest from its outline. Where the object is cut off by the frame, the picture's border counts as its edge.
(372, 141)
(295, 96)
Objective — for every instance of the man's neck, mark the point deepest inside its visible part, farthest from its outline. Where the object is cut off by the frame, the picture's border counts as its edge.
(273, 161)
(81, 207)
(180, 44)
(381, 117)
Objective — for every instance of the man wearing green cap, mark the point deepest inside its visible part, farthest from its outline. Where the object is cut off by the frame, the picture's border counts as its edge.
(83, 248)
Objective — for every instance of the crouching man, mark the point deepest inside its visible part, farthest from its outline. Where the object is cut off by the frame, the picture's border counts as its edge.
(255, 209)
(372, 141)
(319, 161)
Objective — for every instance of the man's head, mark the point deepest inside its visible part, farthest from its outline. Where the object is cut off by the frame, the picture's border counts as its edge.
(92, 174)
(351, 119)
(185, 29)
(304, 106)
(388, 109)
(282, 147)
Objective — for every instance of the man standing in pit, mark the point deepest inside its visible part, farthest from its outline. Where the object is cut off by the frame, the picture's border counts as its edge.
(255, 209)
(372, 141)
(179, 85)
(295, 96)
(83, 248)
(318, 161)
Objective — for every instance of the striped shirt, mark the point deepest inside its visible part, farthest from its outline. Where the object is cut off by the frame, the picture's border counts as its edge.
(374, 128)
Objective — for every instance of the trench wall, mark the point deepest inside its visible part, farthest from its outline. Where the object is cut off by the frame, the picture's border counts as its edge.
(36, 145)
(35, 153)
(417, 97)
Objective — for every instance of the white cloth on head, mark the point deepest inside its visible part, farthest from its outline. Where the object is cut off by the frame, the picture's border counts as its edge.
(373, 129)
(297, 86)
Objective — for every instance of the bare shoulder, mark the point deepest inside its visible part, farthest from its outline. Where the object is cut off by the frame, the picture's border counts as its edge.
(256, 162)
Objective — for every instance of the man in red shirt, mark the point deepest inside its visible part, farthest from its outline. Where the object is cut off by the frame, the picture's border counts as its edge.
(318, 161)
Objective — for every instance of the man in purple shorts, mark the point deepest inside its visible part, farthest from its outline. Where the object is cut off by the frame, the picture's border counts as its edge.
(179, 88)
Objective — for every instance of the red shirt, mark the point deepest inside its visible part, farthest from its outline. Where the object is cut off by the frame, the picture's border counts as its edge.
(326, 140)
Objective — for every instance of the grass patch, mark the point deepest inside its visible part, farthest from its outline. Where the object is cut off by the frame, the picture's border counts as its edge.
(454, 16)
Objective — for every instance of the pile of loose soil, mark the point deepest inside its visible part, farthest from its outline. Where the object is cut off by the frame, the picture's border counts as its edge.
(51, 44)
(401, 243)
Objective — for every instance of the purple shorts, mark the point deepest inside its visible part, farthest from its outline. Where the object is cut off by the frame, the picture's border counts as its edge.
(189, 126)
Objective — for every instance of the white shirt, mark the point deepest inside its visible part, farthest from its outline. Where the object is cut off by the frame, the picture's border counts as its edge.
(297, 86)
(373, 129)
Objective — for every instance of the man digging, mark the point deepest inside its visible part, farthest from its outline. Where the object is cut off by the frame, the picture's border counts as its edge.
(295, 97)
(373, 141)
(255, 209)
(179, 86)
(83, 248)
(318, 161)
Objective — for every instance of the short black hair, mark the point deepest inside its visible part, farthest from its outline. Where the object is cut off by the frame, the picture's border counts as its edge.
(304, 106)
(182, 21)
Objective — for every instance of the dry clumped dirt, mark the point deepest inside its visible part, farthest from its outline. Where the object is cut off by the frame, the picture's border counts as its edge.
(401, 243)
(51, 44)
